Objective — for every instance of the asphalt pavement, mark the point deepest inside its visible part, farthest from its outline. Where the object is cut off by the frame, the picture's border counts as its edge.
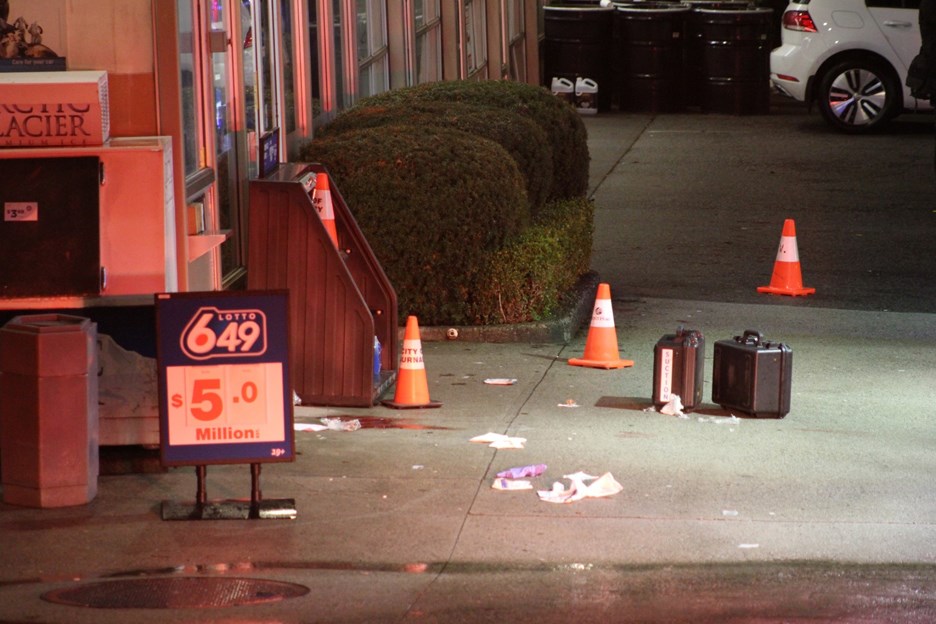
(826, 515)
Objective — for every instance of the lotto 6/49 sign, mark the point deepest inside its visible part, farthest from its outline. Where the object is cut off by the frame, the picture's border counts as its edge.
(223, 378)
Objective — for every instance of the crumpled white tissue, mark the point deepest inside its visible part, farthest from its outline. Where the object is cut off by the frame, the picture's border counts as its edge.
(605, 485)
(674, 407)
(500, 441)
(337, 424)
(511, 484)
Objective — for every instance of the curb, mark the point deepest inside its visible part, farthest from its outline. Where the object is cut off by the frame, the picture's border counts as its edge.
(560, 329)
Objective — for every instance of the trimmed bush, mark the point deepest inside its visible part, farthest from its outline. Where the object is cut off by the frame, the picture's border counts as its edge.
(526, 280)
(560, 122)
(517, 134)
(434, 204)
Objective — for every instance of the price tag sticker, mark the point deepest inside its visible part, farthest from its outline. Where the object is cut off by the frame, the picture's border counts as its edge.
(223, 372)
(20, 211)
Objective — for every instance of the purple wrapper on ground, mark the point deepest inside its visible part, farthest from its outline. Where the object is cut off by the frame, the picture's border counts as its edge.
(534, 470)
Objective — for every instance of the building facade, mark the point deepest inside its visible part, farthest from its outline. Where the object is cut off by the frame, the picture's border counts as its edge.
(215, 79)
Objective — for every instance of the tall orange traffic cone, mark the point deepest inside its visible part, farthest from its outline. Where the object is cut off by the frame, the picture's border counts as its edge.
(321, 199)
(601, 347)
(412, 389)
(787, 278)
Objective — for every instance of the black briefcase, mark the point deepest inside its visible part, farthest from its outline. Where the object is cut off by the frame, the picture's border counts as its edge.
(679, 368)
(752, 375)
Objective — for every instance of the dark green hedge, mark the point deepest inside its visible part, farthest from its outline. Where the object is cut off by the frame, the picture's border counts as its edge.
(471, 194)
(434, 205)
(561, 123)
(526, 279)
(518, 134)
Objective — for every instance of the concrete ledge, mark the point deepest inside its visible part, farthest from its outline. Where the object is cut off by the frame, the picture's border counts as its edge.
(560, 329)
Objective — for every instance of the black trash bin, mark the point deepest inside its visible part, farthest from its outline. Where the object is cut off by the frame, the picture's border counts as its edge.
(735, 60)
(578, 44)
(694, 43)
(649, 58)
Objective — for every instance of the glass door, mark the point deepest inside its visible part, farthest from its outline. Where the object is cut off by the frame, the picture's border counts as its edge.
(230, 141)
(246, 101)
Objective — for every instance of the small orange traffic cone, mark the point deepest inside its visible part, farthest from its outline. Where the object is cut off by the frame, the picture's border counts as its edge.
(412, 389)
(601, 347)
(787, 278)
(321, 199)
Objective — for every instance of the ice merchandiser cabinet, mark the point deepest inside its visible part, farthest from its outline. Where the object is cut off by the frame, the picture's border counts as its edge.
(340, 299)
(86, 223)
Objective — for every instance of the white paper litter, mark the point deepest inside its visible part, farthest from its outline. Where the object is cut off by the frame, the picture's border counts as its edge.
(500, 382)
(499, 441)
(605, 485)
(580, 476)
(337, 424)
(568, 403)
(730, 420)
(309, 427)
(674, 407)
(511, 484)
(329, 424)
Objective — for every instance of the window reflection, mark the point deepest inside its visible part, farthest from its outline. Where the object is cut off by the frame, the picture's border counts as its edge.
(372, 50)
(289, 66)
(428, 40)
(516, 44)
(475, 36)
(269, 113)
(189, 96)
(339, 66)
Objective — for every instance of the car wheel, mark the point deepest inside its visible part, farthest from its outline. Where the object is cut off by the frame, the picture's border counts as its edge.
(858, 95)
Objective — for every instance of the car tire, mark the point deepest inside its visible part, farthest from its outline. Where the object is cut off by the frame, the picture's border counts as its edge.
(858, 95)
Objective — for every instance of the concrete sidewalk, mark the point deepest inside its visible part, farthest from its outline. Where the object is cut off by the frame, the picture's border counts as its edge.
(824, 516)
(398, 520)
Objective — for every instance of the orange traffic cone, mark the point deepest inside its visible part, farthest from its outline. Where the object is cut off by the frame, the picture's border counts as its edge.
(321, 199)
(601, 347)
(412, 389)
(787, 278)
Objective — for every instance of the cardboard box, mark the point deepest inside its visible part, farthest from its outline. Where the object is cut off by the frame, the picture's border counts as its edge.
(52, 109)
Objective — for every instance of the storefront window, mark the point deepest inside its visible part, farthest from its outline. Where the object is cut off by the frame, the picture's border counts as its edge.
(289, 67)
(475, 37)
(516, 43)
(267, 67)
(428, 40)
(226, 139)
(372, 50)
(187, 45)
(320, 68)
(249, 67)
(343, 97)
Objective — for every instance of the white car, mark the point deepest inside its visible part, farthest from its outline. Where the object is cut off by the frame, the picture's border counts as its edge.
(850, 57)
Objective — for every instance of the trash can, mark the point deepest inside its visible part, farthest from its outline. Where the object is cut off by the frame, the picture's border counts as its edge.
(48, 410)
(577, 44)
(693, 59)
(649, 41)
(735, 59)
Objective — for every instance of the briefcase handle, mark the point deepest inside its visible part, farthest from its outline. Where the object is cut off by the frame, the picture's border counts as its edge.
(752, 337)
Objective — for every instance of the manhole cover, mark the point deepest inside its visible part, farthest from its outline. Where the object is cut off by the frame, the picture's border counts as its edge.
(175, 593)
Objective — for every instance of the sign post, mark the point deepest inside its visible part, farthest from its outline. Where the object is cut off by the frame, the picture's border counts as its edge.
(224, 393)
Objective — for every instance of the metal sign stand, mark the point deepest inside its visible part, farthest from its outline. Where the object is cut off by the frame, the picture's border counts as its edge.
(255, 509)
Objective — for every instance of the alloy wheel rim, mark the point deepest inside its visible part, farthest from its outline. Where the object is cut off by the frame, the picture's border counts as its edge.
(857, 97)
